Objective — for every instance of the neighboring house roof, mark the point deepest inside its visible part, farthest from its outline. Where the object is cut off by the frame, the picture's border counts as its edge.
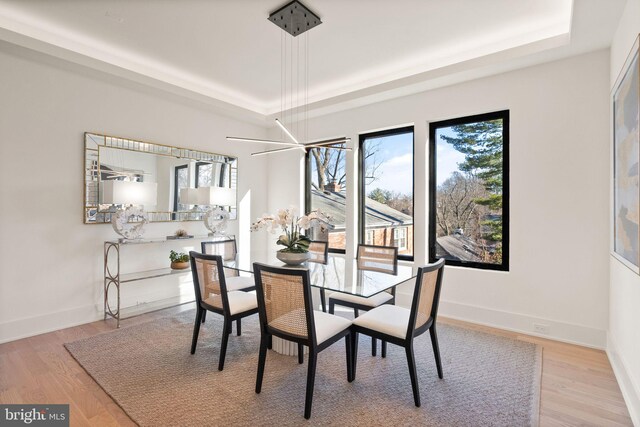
(458, 247)
(377, 214)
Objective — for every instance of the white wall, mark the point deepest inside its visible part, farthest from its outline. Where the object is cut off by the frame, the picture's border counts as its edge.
(50, 261)
(559, 270)
(623, 344)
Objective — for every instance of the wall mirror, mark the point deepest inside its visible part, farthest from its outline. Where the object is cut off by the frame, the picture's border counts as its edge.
(109, 158)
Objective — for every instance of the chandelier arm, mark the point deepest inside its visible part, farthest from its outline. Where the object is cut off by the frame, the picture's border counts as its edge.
(328, 142)
(284, 128)
(278, 150)
(266, 141)
(330, 147)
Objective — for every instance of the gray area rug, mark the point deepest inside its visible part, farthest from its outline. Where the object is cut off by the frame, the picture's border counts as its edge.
(148, 370)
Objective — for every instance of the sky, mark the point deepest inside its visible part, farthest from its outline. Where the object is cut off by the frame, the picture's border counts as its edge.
(448, 157)
(396, 157)
(395, 173)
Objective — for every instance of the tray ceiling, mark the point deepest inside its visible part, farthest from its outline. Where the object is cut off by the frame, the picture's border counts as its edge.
(227, 50)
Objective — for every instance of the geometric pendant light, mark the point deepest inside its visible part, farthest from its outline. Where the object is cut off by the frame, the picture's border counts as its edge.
(294, 18)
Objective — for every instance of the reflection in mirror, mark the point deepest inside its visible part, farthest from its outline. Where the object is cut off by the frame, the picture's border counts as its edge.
(173, 169)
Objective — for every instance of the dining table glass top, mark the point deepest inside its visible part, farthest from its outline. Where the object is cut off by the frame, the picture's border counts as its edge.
(339, 274)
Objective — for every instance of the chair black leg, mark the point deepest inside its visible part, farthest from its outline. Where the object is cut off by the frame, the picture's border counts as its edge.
(436, 348)
(300, 353)
(411, 361)
(332, 306)
(311, 378)
(323, 301)
(374, 346)
(356, 313)
(270, 342)
(204, 315)
(384, 349)
(347, 344)
(196, 330)
(223, 348)
(354, 354)
(239, 327)
(262, 357)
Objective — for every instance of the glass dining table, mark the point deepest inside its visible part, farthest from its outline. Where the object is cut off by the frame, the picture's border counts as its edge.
(339, 274)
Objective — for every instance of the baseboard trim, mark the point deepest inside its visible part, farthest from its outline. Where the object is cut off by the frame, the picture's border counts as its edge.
(559, 331)
(24, 328)
(630, 391)
(516, 322)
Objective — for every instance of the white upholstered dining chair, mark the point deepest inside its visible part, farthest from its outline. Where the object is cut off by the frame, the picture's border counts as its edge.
(228, 251)
(383, 259)
(212, 295)
(319, 253)
(399, 325)
(286, 311)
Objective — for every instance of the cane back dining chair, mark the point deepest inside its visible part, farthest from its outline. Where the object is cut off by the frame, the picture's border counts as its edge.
(226, 247)
(383, 259)
(319, 253)
(212, 295)
(228, 250)
(399, 325)
(286, 311)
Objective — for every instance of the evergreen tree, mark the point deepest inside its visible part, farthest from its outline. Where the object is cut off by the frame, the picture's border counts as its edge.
(482, 145)
(379, 195)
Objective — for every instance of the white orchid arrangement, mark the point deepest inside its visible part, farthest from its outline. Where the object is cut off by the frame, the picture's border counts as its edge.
(291, 225)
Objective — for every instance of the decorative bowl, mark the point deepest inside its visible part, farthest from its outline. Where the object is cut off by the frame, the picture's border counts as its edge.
(293, 258)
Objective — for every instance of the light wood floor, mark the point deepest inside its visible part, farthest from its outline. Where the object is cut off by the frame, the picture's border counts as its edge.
(578, 385)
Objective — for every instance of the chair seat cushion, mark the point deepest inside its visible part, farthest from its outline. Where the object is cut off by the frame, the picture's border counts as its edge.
(239, 301)
(327, 325)
(388, 319)
(372, 301)
(236, 283)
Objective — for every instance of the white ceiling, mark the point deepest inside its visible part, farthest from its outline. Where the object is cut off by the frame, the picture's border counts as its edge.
(227, 52)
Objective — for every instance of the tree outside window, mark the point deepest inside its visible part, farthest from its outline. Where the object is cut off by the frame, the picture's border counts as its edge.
(469, 191)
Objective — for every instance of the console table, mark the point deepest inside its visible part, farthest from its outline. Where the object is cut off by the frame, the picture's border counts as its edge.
(114, 278)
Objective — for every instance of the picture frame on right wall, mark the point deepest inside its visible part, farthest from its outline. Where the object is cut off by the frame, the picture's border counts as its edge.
(626, 162)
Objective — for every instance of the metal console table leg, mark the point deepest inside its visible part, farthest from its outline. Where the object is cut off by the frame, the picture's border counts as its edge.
(111, 279)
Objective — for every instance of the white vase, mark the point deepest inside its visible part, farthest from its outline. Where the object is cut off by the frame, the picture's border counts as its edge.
(293, 258)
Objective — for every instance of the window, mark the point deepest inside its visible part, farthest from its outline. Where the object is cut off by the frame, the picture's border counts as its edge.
(181, 180)
(371, 237)
(400, 239)
(386, 187)
(325, 190)
(204, 174)
(469, 191)
(213, 174)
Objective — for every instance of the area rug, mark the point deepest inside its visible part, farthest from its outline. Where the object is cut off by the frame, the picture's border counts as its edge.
(147, 369)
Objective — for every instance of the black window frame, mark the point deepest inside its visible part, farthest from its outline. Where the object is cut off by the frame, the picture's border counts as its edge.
(361, 183)
(433, 127)
(176, 190)
(198, 165)
(307, 192)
